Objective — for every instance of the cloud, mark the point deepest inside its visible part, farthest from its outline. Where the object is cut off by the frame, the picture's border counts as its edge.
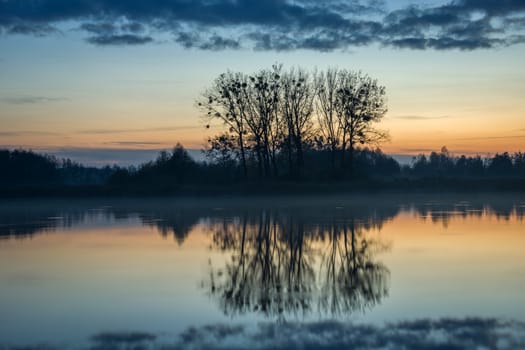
(418, 150)
(502, 137)
(38, 30)
(115, 34)
(461, 24)
(276, 24)
(411, 152)
(134, 143)
(419, 117)
(27, 132)
(122, 131)
(132, 154)
(20, 100)
(216, 42)
(122, 39)
(104, 156)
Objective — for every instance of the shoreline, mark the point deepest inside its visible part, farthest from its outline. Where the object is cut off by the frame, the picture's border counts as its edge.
(281, 188)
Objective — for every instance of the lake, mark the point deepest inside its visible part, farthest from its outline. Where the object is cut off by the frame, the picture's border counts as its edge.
(361, 271)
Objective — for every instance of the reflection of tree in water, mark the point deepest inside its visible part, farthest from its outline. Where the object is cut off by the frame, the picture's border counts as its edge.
(351, 279)
(290, 264)
(176, 223)
(269, 271)
(443, 212)
(28, 222)
(24, 220)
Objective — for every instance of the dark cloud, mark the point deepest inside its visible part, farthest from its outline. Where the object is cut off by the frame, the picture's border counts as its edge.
(276, 24)
(216, 42)
(463, 24)
(493, 7)
(100, 28)
(119, 39)
(108, 33)
(445, 43)
(133, 27)
(31, 29)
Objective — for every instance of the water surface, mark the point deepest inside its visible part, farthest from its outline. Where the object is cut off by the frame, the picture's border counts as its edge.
(323, 272)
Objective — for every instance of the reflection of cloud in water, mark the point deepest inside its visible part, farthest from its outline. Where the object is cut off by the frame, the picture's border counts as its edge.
(471, 333)
(122, 340)
(425, 334)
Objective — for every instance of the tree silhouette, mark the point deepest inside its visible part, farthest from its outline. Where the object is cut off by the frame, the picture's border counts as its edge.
(227, 100)
(360, 103)
(297, 110)
(330, 126)
(271, 113)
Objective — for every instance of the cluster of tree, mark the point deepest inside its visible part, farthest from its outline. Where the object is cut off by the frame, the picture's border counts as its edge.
(177, 167)
(443, 164)
(26, 168)
(275, 117)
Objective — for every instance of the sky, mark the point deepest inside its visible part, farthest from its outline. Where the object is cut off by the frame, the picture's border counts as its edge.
(113, 80)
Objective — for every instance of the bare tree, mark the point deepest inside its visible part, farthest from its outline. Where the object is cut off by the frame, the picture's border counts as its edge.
(263, 118)
(297, 109)
(330, 126)
(227, 101)
(361, 102)
(271, 115)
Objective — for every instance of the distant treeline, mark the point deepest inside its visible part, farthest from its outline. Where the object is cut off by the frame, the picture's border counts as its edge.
(26, 169)
(369, 165)
(444, 165)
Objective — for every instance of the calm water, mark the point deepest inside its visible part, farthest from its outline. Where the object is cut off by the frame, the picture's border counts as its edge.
(374, 272)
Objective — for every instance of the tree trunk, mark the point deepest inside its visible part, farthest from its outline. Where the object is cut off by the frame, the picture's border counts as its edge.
(290, 160)
(299, 155)
(243, 156)
(259, 159)
(332, 158)
(351, 159)
(343, 153)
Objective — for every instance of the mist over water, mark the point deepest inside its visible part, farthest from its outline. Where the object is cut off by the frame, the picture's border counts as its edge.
(374, 271)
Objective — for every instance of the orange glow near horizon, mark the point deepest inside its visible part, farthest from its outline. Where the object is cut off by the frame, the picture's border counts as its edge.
(468, 135)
